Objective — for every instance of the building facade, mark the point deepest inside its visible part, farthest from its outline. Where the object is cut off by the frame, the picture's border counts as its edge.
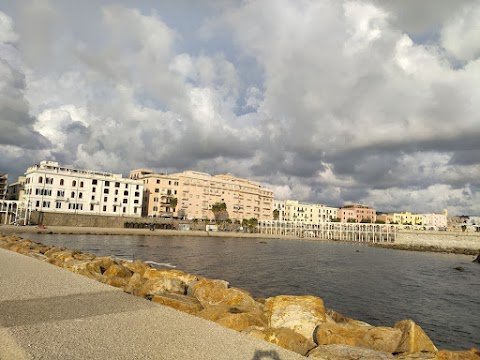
(357, 213)
(50, 187)
(3, 186)
(193, 193)
(16, 190)
(293, 210)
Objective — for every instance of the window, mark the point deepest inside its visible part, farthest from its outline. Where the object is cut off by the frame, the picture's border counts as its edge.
(157, 190)
(125, 193)
(135, 201)
(104, 207)
(93, 197)
(137, 194)
(117, 184)
(81, 184)
(115, 200)
(124, 209)
(137, 187)
(158, 181)
(105, 191)
(155, 208)
(125, 201)
(107, 183)
(116, 192)
(94, 182)
(155, 199)
(58, 205)
(105, 199)
(37, 203)
(80, 195)
(94, 189)
(92, 207)
(169, 183)
(74, 183)
(114, 208)
(72, 195)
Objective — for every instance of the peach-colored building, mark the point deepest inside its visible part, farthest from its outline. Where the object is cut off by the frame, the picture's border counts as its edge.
(386, 218)
(195, 193)
(357, 213)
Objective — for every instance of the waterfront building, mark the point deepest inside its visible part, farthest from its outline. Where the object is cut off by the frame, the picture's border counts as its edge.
(193, 193)
(50, 187)
(293, 210)
(435, 220)
(3, 186)
(386, 218)
(357, 213)
(16, 190)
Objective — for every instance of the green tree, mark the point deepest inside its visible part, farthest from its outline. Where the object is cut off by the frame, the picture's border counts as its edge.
(366, 220)
(276, 214)
(351, 220)
(335, 220)
(379, 221)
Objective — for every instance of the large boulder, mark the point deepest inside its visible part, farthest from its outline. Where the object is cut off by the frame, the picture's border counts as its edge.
(117, 281)
(376, 338)
(136, 266)
(346, 352)
(233, 318)
(217, 293)
(286, 338)
(182, 276)
(160, 286)
(117, 270)
(179, 302)
(472, 354)
(299, 313)
(340, 319)
(135, 285)
(413, 340)
(103, 263)
(53, 250)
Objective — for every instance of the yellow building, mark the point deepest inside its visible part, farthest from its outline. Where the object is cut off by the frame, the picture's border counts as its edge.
(195, 192)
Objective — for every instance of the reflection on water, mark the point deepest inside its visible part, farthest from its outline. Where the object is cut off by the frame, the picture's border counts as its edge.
(379, 286)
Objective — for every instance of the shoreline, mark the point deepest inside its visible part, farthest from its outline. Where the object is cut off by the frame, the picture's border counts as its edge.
(301, 324)
(72, 230)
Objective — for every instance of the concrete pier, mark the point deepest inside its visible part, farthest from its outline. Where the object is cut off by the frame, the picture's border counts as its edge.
(47, 312)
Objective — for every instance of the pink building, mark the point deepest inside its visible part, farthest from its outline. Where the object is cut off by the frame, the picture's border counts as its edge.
(357, 213)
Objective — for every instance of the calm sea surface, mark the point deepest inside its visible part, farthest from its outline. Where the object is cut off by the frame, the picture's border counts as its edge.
(379, 286)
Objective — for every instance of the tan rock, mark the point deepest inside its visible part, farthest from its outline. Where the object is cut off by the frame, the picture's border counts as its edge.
(103, 262)
(117, 270)
(64, 255)
(340, 319)
(216, 293)
(160, 286)
(379, 338)
(53, 261)
(184, 277)
(117, 281)
(135, 284)
(233, 318)
(42, 249)
(84, 256)
(37, 255)
(414, 339)
(345, 352)
(136, 266)
(472, 354)
(179, 302)
(53, 250)
(286, 338)
(299, 313)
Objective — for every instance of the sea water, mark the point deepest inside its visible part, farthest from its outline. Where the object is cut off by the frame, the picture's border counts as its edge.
(375, 285)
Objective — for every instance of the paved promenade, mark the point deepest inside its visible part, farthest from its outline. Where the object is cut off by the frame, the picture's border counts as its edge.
(47, 312)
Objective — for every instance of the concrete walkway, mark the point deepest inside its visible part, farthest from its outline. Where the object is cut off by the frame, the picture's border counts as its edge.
(47, 312)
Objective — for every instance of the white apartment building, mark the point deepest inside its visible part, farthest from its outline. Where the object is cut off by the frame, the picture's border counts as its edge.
(292, 210)
(195, 192)
(50, 187)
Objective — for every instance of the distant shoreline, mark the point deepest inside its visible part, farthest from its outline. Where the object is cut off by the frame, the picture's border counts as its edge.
(72, 230)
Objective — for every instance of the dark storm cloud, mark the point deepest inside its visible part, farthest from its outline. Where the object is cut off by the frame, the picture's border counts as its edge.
(16, 123)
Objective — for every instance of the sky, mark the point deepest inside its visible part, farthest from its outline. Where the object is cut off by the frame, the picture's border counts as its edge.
(325, 101)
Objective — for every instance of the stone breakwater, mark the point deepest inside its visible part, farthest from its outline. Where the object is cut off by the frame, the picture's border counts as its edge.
(299, 323)
(436, 241)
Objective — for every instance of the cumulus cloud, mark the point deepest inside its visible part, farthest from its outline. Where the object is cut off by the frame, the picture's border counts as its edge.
(326, 101)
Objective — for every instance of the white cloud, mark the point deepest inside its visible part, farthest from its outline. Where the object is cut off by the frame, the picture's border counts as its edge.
(461, 34)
